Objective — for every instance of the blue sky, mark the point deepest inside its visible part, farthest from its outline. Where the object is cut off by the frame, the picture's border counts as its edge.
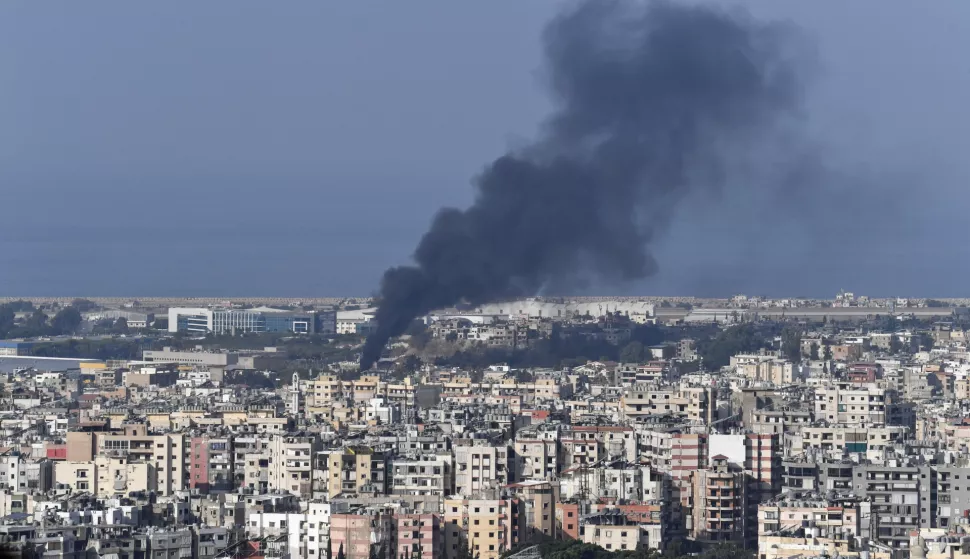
(235, 147)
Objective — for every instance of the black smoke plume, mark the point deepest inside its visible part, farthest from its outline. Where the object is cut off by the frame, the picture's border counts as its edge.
(651, 99)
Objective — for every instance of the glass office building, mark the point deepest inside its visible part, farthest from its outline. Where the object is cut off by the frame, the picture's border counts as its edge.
(233, 321)
(229, 321)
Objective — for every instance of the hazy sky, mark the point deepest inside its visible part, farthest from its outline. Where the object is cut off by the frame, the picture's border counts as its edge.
(298, 148)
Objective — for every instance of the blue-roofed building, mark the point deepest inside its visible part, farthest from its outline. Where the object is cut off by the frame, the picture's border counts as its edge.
(15, 347)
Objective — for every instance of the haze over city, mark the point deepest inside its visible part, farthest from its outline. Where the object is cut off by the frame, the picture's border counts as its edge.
(301, 150)
(506, 279)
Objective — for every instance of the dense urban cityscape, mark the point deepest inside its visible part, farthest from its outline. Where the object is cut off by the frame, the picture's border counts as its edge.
(783, 428)
(536, 280)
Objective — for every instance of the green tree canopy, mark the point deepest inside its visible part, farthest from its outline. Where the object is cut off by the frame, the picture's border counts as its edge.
(633, 352)
(66, 321)
(791, 344)
(717, 352)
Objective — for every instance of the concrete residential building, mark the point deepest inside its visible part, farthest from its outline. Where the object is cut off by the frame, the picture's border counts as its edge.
(641, 401)
(486, 527)
(426, 474)
(718, 503)
(894, 492)
(357, 469)
(481, 467)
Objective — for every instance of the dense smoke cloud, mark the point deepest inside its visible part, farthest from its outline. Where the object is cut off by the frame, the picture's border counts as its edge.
(653, 101)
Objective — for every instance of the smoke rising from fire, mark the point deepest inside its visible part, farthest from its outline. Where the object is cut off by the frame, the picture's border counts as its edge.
(653, 101)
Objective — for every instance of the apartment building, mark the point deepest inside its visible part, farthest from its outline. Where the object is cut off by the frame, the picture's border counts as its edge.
(767, 369)
(366, 534)
(486, 527)
(612, 530)
(13, 472)
(862, 404)
(117, 477)
(305, 533)
(778, 422)
(537, 503)
(212, 464)
(290, 464)
(762, 463)
(77, 477)
(894, 493)
(841, 440)
(947, 490)
(617, 481)
(419, 536)
(641, 401)
(629, 374)
(482, 466)
(596, 442)
(717, 503)
(423, 474)
(355, 470)
(790, 527)
(167, 453)
(536, 459)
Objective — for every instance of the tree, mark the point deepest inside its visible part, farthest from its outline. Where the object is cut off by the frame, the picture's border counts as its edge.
(633, 352)
(66, 321)
(410, 364)
(20, 306)
(329, 551)
(813, 354)
(121, 325)
(791, 344)
(717, 352)
(894, 344)
(7, 317)
(34, 325)
(827, 353)
(340, 552)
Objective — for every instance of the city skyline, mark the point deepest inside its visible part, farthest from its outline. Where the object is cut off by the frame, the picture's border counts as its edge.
(577, 279)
